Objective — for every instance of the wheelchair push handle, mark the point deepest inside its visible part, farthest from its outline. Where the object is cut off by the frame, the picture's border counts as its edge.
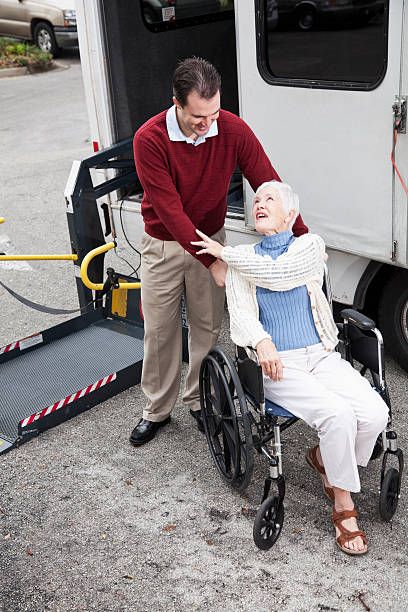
(100, 286)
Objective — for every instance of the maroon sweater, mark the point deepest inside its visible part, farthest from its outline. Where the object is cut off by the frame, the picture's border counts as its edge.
(186, 186)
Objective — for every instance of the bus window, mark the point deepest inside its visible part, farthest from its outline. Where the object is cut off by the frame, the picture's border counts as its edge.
(161, 15)
(339, 45)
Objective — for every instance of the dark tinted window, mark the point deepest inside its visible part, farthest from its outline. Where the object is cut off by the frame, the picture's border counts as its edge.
(334, 43)
(160, 14)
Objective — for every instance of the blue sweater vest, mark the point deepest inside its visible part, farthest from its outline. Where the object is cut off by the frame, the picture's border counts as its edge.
(285, 315)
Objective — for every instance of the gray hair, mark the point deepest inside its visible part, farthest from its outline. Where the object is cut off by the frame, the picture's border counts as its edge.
(290, 199)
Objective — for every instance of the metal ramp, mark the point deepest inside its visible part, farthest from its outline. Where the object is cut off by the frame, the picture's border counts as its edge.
(53, 376)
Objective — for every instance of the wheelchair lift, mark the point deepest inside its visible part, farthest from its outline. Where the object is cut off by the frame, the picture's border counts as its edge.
(58, 373)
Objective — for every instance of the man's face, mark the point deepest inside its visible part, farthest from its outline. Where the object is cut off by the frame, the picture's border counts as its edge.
(197, 115)
(269, 216)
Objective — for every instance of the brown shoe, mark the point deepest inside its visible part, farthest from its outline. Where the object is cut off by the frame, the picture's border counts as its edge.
(313, 462)
(345, 534)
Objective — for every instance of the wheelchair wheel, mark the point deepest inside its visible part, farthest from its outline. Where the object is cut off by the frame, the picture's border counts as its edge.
(268, 522)
(226, 419)
(389, 494)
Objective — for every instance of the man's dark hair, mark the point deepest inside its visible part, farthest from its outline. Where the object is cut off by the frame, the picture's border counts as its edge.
(195, 74)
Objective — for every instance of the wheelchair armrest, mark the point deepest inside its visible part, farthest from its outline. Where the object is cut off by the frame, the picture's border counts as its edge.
(358, 319)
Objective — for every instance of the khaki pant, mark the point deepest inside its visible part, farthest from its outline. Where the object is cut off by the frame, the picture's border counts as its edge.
(167, 272)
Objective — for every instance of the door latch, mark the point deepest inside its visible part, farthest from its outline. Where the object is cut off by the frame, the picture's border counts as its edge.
(399, 108)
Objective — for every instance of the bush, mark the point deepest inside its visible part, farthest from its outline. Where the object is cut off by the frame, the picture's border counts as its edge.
(14, 54)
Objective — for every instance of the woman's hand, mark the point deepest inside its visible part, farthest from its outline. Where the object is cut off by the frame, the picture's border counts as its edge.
(208, 246)
(269, 359)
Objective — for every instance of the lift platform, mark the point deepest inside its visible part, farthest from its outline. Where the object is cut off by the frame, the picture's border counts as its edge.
(56, 374)
(61, 372)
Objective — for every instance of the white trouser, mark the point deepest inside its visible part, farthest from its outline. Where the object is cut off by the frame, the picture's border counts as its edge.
(331, 396)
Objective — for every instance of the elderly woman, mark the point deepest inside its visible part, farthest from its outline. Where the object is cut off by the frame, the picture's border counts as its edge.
(276, 304)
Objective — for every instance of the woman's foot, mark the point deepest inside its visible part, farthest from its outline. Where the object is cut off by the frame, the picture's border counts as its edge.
(348, 536)
(314, 459)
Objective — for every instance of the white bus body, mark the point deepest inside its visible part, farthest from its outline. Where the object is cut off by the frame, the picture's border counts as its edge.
(331, 138)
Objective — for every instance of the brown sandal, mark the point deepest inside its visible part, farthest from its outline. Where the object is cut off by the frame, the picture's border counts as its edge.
(345, 534)
(313, 462)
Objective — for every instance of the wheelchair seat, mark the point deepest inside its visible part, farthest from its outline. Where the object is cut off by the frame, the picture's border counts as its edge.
(274, 409)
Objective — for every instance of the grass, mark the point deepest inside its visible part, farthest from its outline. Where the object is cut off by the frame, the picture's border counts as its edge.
(14, 54)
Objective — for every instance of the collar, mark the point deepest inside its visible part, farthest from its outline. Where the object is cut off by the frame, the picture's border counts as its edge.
(176, 135)
(277, 240)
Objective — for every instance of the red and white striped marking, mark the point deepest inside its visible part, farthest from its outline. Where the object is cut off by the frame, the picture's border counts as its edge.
(68, 400)
(9, 347)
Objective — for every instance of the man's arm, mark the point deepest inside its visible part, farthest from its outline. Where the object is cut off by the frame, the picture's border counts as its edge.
(153, 172)
(257, 169)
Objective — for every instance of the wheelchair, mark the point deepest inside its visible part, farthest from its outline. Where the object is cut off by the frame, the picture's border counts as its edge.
(239, 420)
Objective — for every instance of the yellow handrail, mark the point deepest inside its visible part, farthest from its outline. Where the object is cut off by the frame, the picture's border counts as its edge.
(84, 269)
(36, 257)
(71, 257)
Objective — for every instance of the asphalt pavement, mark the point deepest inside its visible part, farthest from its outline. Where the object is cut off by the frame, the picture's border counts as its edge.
(88, 522)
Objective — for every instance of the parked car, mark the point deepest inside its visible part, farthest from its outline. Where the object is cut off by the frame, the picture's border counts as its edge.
(155, 10)
(305, 13)
(50, 24)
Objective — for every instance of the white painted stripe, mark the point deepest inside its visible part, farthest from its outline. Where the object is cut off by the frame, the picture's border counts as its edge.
(7, 247)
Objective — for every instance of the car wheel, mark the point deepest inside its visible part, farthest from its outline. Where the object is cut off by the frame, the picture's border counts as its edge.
(44, 38)
(305, 18)
(393, 316)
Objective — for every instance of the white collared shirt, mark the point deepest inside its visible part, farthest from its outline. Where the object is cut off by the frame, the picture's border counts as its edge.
(176, 135)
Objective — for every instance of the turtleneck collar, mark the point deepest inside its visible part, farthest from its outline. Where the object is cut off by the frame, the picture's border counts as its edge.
(277, 241)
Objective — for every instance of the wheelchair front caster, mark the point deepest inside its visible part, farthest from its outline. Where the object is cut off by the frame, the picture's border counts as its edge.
(268, 522)
(389, 494)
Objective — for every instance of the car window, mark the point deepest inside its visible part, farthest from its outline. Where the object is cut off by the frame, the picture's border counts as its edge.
(164, 14)
(323, 44)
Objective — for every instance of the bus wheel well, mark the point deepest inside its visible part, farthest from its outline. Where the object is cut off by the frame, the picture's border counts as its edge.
(382, 294)
(370, 286)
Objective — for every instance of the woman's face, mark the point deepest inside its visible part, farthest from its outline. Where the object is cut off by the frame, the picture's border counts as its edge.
(268, 213)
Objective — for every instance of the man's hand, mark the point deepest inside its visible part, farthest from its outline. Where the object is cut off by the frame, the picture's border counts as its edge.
(269, 359)
(219, 271)
(209, 246)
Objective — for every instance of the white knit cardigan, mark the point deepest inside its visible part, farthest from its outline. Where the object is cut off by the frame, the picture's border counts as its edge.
(302, 264)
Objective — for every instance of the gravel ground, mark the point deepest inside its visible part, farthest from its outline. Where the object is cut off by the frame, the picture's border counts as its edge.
(88, 522)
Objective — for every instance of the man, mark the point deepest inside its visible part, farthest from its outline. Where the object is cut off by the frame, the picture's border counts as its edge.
(185, 158)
